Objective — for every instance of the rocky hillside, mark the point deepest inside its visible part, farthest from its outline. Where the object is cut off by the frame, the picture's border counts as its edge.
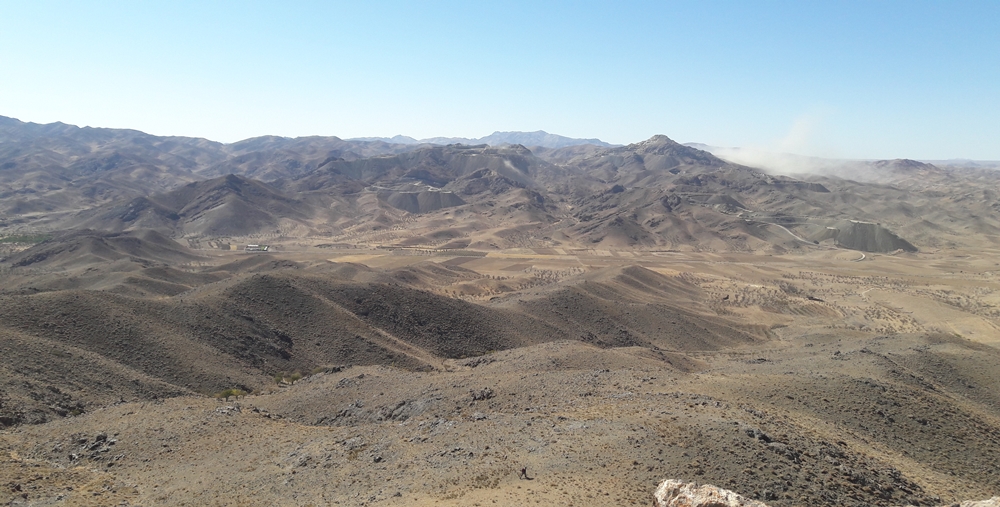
(653, 194)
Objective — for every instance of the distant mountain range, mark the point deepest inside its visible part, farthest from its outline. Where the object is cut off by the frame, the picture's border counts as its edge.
(537, 138)
(520, 194)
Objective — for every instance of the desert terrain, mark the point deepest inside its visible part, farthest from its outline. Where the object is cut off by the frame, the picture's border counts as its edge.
(429, 319)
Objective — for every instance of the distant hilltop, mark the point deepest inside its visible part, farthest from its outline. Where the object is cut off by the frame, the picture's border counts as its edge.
(537, 138)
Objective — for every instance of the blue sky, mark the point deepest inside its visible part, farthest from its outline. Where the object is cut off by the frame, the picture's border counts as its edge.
(873, 79)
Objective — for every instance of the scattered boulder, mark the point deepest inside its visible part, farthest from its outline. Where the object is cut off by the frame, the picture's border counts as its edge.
(479, 361)
(229, 409)
(757, 433)
(482, 394)
(674, 493)
(354, 443)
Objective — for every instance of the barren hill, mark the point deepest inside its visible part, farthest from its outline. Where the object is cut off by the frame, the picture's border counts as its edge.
(433, 320)
(252, 327)
(421, 202)
(271, 158)
(226, 206)
(435, 166)
(116, 179)
(57, 166)
(140, 262)
(86, 248)
(865, 236)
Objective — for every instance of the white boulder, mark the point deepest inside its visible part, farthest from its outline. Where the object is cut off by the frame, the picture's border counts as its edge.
(992, 502)
(674, 493)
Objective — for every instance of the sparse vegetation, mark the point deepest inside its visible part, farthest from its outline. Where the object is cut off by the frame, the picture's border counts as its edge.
(25, 238)
(225, 394)
(288, 378)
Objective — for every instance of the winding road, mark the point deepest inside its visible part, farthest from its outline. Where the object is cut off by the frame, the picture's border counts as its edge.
(799, 238)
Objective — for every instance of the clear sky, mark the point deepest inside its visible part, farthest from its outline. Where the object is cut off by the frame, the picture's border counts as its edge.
(868, 79)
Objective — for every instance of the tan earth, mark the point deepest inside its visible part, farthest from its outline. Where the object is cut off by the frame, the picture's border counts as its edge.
(487, 325)
(851, 383)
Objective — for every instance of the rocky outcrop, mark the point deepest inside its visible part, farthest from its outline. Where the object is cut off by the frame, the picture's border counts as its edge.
(992, 502)
(674, 493)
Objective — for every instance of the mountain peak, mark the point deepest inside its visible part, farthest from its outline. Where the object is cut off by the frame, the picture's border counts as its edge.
(659, 139)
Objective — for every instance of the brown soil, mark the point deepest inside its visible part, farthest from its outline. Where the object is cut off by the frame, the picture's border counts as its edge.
(790, 379)
(606, 318)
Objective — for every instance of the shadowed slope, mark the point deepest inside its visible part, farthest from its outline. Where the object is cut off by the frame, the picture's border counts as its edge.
(227, 206)
(243, 330)
(435, 166)
(85, 248)
(624, 307)
(141, 262)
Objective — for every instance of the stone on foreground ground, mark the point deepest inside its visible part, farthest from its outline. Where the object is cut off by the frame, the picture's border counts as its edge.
(674, 493)
(992, 502)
